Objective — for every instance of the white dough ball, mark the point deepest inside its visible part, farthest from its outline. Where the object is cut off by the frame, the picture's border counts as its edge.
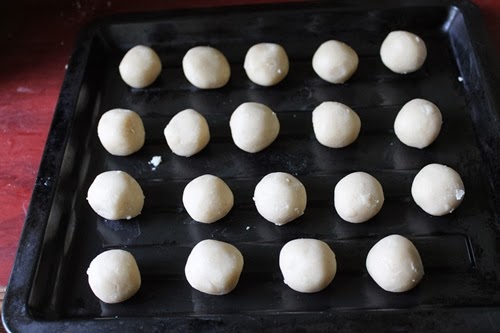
(114, 276)
(140, 66)
(207, 199)
(266, 64)
(403, 52)
(254, 127)
(358, 197)
(335, 125)
(438, 189)
(214, 267)
(307, 265)
(418, 123)
(206, 67)
(121, 132)
(335, 61)
(187, 133)
(394, 264)
(280, 198)
(115, 195)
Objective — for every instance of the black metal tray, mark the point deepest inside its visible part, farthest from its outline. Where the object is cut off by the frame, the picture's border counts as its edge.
(48, 290)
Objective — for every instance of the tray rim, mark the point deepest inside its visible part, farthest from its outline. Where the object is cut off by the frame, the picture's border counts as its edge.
(15, 313)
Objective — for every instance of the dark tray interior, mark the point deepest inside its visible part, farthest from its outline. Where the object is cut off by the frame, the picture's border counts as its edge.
(458, 251)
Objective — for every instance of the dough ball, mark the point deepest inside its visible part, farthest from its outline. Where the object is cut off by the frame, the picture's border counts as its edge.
(121, 132)
(187, 133)
(403, 52)
(438, 189)
(418, 123)
(140, 66)
(254, 127)
(115, 195)
(335, 61)
(307, 265)
(335, 125)
(280, 198)
(394, 264)
(266, 64)
(207, 199)
(214, 267)
(358, 197)
(206, 67)
(114, 276)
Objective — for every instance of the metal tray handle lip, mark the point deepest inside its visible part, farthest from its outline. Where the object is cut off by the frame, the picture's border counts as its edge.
(489, 70)
(15, 313)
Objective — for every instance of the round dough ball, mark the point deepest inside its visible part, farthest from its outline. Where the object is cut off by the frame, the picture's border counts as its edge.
(358, 197)
(206, 67)
(280, 198)
(121, 132)
(140, 66)
(266, 64)
(207, 199)
(394, 264)
(115, 195)
(114, 276)
(418, 123)
(187, 133)
(307, 265)
(403, 52)
(335, 61)
(438, 189)
(214, 267)
(335, 125)
(254, 127)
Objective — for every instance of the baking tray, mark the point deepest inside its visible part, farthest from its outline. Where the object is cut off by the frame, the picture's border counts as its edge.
(48, 290)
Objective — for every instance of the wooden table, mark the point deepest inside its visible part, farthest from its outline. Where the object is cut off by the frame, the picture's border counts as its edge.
(37, 39)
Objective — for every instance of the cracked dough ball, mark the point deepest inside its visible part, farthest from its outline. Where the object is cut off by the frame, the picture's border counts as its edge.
(280, 198)
(114, 276)
(335, 61)
(187, 133)
(358, 197)
(307, 265)
(140, 66)
(121, 132)
(254, 127)
(438, 189)
(394, 264)
(266, 64)
(214, 267)
(115, 195)
(207, 199)
(418, 123)
(403, 52)
(335, 125)
(206, 67)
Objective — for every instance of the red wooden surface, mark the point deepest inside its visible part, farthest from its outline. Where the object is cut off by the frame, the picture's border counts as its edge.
(36, 38)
